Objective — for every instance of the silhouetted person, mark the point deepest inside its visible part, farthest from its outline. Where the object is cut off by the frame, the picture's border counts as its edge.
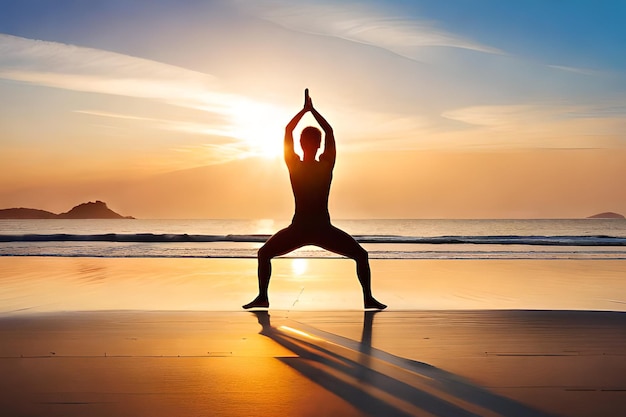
(310, 182)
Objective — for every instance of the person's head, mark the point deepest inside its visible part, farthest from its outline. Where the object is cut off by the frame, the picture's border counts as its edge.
(310, 139)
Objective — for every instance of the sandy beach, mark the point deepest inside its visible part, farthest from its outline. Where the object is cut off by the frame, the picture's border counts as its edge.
(461, 363)
(162, 337)
(51, 284)
(168, 166)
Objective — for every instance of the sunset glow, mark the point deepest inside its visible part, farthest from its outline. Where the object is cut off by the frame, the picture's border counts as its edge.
(299, 266)
(259, 126)
(488, 111)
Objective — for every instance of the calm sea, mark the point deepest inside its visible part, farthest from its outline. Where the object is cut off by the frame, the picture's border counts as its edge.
(384, 239)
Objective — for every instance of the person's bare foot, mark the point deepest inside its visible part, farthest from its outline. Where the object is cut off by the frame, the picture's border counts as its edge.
(259, 302)
(372, 303)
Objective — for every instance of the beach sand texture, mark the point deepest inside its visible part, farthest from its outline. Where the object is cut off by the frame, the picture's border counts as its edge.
(51, 284)
(454, 363)
(136, 337)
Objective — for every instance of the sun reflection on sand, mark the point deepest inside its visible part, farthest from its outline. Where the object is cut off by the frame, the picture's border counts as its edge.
(298, 332)
(299, 266)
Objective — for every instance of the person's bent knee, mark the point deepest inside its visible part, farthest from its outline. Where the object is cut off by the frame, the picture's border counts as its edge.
(361, 255)
(263, 253)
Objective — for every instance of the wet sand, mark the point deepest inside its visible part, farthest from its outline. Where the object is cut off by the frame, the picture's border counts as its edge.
(461, 363)
(146, 337)
(569, 363)
(48, 284)
(151, 364)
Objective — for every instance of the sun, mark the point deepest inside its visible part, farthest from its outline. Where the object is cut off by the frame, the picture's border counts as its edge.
(259, 127)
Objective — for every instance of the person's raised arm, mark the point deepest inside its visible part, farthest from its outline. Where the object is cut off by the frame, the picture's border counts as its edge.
(290, 153)
(330, 151)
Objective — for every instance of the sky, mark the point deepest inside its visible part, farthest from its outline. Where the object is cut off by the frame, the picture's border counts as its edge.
(177, 108)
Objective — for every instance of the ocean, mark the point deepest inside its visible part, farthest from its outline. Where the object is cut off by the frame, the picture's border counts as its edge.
(77, 265)
(384, 239)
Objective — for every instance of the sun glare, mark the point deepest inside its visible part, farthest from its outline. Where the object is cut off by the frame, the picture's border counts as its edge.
(299, 266)
(259, 127)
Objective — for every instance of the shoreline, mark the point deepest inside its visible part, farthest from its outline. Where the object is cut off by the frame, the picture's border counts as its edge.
(46, 284)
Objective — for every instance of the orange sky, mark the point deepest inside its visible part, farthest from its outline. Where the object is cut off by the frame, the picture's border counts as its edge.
(179, 111)
(391, 184)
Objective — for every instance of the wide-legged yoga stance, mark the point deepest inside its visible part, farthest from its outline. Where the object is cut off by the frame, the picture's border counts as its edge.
(310, 182)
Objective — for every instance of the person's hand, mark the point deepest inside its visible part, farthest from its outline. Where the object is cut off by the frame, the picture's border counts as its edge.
(308, 103)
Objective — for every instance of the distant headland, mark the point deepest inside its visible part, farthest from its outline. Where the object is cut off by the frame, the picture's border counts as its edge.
(607, 215)
(90, 210)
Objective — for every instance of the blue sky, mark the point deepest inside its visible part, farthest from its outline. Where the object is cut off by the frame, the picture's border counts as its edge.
(127, 89)
(576, 33)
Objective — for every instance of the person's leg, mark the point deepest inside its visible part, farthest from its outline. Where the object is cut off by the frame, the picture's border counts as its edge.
(282, 242)
(338, 241)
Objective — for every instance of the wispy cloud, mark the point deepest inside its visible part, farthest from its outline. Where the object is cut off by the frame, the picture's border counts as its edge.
(503, 117)
(165, 124)
(583, 71)
(359, 23)
(70, 67)
(544, 126)
(508, 117)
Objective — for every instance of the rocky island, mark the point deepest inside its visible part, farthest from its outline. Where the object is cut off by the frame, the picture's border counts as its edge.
(90, 210)
(607, 215)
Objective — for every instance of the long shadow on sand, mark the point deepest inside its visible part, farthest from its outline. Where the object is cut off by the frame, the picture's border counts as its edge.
(379, 383)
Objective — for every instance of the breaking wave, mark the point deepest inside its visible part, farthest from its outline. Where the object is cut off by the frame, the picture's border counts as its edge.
(600, 240)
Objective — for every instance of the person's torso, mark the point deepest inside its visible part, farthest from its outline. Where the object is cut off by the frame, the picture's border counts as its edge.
(310, 182)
